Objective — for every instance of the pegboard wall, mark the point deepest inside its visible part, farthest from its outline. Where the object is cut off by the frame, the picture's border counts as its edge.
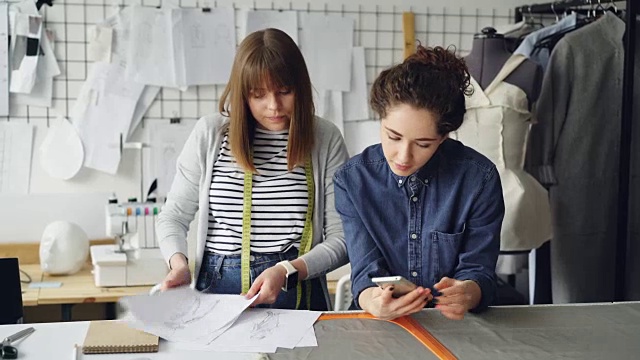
(378, 28)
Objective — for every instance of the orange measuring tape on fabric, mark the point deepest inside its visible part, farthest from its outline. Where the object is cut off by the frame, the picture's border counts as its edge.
(407, 323)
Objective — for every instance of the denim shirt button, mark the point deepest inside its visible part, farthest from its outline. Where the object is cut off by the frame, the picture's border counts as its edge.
(414, 236)
(400, 182)
(413, 178)
(414, 199)
(414, 273)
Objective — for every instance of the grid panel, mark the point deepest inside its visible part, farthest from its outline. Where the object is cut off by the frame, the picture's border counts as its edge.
(378, 28)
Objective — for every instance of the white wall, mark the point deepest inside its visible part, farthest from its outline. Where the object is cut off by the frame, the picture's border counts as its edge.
(437, 23)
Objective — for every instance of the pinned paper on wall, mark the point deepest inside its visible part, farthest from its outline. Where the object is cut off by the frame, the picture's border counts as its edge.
(103, 113)
(144, 103)
(356, 106)
(329, 107)
(42, 93)
(166, 141)
(16, 142)
(327, 43)
(27, 30)
(204, 45)
(286, 21)
(4, 59)
(120, 25)
(100, 39)
(150, 58)
(181, 47)
(61, 151)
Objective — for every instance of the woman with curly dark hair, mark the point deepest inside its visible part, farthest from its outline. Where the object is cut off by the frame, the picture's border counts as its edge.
(421, 205)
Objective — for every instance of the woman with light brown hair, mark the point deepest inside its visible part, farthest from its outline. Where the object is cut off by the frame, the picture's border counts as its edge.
(261, 175)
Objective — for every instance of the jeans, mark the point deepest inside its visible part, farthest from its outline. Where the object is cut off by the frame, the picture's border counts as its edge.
(221, 274)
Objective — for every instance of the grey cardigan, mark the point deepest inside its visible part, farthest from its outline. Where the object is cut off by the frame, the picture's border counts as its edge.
(190, 192)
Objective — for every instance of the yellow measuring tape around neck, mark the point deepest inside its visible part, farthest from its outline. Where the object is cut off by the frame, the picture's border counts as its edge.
(305, 241)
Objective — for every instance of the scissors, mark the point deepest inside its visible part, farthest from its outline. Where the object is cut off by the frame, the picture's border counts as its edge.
(10, 352)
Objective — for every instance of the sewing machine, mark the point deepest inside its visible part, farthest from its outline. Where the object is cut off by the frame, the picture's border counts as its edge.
(136, 259)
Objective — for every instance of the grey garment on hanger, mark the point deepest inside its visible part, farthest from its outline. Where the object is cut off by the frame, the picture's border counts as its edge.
(575, 148)
(632, 291)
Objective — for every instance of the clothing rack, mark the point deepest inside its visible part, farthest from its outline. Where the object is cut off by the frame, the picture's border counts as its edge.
(558, 7)
(622, 237)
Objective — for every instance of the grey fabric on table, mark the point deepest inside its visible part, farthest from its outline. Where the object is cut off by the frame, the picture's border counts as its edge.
(359, 339)
(603, 331)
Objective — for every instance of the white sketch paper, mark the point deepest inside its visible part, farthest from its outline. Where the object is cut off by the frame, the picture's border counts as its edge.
(186, 315)
(150, 57)
(42, 93)
(16, 143)
(61, 151)
(4, 59)
(144, 103)
(25, 45)
(329, 107)
(205, 44)
(309, 339)
(355, 102)
(166, 142)
(100, 40)
(327, 43)
(181, 47)
(264, 330)
(102, 114)
(121, 29)
(286, 21)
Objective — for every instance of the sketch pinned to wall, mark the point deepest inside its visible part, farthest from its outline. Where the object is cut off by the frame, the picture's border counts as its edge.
(329, 106)
(286, 21)
(120, 25)
(16, 142)
(100, 38)
(166, 141)
(181, 47)
(4, 59)
(205, 44)
(326, 43)
(41, 94)
(102, 115)
(356, 106)
(61, 151)
(150, 54)
(24, 51)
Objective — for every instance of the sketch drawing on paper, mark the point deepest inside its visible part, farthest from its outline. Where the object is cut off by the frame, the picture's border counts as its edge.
(265, 326)
(190, 310)
(197, 36)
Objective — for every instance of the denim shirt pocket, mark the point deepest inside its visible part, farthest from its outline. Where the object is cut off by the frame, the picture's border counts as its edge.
(444, 255)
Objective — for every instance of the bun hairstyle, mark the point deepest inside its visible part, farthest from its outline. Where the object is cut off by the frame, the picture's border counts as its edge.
(434, 79)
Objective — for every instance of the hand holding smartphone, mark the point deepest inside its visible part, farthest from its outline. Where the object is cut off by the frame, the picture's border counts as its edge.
(401, 286)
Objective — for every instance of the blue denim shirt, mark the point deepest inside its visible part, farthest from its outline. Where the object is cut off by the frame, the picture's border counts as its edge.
(444, 220)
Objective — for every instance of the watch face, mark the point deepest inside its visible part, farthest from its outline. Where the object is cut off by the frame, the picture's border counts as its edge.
(292, 280)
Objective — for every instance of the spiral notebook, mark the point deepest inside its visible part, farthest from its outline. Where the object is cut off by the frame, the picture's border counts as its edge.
(111, 337)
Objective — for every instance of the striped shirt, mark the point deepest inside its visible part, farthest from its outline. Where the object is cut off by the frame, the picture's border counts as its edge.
(279, 199)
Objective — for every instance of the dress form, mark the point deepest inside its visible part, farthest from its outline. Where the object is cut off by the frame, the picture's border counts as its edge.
(488, 55)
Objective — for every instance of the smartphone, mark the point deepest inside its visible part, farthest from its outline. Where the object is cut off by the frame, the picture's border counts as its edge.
(400, 285)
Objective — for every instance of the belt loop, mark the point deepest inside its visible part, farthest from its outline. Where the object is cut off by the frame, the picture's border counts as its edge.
(219, 266)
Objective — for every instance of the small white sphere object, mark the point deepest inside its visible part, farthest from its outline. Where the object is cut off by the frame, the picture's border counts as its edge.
(64, 248)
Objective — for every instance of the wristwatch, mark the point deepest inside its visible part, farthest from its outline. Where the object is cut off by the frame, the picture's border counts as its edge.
(291, 279)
